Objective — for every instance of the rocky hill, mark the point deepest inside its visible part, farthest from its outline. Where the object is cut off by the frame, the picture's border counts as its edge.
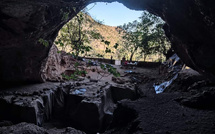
(104, 32)
(109, 33)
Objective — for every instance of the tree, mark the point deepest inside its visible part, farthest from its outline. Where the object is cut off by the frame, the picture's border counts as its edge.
(160, 41)
(74, 38)
(131, 38)
(146, 36)
(147, 28)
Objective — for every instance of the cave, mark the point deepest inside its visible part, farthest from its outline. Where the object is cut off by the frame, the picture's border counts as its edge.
(23, 59)
(189, 26)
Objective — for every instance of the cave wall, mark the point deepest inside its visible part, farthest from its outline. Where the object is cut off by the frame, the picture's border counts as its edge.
(22, 24)
(189, 26)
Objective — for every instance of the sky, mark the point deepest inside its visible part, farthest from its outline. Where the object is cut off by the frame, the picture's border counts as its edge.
(113, 14)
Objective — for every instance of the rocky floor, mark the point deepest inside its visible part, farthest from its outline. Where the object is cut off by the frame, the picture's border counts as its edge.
(125, 105)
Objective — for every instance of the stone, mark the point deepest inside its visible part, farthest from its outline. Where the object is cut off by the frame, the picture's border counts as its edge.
(5, 123)
(28, 128)
(126, 91)
(88, 111)
(203, 100)
(56, 65)
(23, 128)
(118, 80)
(123, 115)
(32, 108)
(85, 105)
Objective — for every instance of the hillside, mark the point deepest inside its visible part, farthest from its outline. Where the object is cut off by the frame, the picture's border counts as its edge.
(107, 33)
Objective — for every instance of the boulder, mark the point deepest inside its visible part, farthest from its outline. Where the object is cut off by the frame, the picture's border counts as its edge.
(126, 91)
(90, 106)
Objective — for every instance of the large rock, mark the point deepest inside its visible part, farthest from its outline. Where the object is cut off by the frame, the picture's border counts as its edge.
(23, 128)
(57, 64)
(22, 24)
(85, 105)
(28, 128)
(32, 103)
(90, 106)
(190, 28)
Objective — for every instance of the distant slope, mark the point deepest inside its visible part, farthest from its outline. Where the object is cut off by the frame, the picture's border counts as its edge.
(109, 33)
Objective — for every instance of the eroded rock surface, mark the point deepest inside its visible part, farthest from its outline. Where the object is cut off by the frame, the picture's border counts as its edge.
(27, 128)
(23, 128)
(57, 64)
(85, 105)
(22, 24)
(190, 28)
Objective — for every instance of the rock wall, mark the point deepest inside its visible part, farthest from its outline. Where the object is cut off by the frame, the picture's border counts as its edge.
(85, 105)
(56, 64)
(190, 27)
(22, 24)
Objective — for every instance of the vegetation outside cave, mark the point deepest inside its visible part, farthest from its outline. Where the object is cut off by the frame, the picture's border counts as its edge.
(142, 40)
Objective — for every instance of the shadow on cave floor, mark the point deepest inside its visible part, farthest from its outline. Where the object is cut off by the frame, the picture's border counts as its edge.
(187, 106)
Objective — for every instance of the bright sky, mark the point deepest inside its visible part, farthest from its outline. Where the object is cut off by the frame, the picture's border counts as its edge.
(113, 14)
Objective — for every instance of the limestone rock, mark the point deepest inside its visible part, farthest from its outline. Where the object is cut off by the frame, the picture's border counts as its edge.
(57, 64)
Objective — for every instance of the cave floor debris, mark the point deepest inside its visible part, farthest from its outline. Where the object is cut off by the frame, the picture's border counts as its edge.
(186, 106)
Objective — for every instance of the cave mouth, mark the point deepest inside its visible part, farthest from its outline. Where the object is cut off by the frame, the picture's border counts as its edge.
(111, 17)
(190, 26)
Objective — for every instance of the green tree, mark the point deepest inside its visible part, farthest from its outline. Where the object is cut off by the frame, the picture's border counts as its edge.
(160, 42)
(146, 36)
(131, 38)
(74, 38)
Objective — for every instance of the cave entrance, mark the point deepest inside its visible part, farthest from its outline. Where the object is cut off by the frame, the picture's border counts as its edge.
(112, 31)
(92, 34)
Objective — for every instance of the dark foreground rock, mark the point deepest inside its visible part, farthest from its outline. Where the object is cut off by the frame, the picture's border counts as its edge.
(203, 100)
(27, 128)
(85, 105)
(178, 110)
(161, 114)
(23, 128)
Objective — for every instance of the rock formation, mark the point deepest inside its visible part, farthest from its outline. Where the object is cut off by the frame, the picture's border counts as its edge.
(22, 24)
(57, 64)
(86, 105)
(189, 26)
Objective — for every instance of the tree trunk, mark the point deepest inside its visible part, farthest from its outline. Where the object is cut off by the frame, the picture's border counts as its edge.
(144, 57)
(132, 54)
(131, 57)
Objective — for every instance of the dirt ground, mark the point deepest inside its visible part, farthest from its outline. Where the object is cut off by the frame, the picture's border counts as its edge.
(187, 106)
